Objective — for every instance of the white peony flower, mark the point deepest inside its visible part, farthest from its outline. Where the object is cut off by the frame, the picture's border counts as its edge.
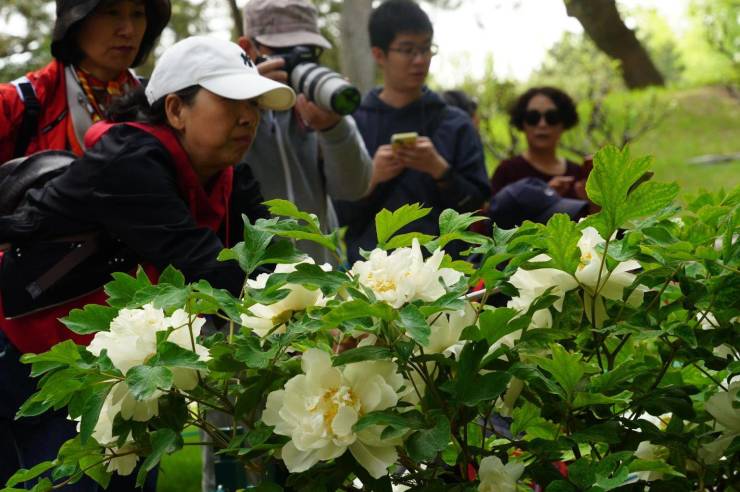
(720, 407)
(265, 317)
(531, 284)
(124, 464)
(497, 477)
(404, 276)
(131, 342)
(446, 329)
(650, 452)
(600, 283)
(318, 409)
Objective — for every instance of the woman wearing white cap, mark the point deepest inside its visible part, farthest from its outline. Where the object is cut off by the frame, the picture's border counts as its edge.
(158, 191)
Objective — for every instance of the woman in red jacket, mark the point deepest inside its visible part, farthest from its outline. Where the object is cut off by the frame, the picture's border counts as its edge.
(94, 44)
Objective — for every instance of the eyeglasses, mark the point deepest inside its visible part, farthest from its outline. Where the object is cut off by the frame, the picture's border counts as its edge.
(533, 117)
(411, 51)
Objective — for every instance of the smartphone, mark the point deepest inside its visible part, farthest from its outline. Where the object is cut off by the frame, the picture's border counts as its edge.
(403, 139)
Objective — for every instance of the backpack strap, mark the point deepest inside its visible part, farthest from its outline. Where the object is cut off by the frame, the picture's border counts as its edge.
(31, 114)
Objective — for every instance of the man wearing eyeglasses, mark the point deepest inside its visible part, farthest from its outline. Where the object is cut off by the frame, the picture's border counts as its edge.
(444, 167)
(307, 155)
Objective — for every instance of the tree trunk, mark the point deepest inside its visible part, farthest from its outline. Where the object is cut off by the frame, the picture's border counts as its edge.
(356, 60)
(236, 17)
(601, 21)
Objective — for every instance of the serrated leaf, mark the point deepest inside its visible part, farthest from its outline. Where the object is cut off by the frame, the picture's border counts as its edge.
(494, 323)
(566, 368)
(24, 475)
(405, 240)
(358, 308)
(91, 319)
(144, 381)
(172, 355)
(561, 238)
(162, 441)
(452, 221)
(388, 223)
(360, 354)
(424, 445)
(408, 420)
(414, 323)
(249, 351)
(172, 276)
(329, 282)
(249, 252)
(123, 288)
(289, 209)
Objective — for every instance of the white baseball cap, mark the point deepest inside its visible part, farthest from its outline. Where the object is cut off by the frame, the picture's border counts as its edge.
(220, 66)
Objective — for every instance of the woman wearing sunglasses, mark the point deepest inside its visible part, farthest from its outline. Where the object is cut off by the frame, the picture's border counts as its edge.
(543, 114)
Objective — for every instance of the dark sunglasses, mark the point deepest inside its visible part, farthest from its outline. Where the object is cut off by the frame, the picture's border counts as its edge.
(533, 117)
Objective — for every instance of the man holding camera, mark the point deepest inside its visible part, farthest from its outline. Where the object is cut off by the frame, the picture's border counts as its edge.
(310, 154)
(438, 160)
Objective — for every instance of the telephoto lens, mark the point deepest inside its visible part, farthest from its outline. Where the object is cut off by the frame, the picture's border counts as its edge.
(325, 87)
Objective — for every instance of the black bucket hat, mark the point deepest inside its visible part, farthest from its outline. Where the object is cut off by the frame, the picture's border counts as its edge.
(70, 12)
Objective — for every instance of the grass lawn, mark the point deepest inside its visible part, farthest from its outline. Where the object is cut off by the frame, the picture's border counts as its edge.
(705, 121)
(180, 472)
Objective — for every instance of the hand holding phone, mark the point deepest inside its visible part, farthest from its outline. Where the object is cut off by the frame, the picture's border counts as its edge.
(407, 139)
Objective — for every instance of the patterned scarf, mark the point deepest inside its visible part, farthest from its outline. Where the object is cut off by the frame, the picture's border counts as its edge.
(101, 94)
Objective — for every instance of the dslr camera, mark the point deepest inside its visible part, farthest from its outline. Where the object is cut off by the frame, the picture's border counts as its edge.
(319, 84)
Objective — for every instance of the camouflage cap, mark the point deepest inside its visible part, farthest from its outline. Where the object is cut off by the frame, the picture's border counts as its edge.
(283, 23)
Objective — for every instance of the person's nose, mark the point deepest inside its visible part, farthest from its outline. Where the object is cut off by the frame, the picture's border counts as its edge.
(249, 114)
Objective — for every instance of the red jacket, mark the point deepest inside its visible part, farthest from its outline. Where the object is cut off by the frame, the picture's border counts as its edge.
(51, 91)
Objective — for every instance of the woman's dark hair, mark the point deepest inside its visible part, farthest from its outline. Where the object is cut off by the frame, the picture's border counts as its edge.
(65, 47)
(135, 107)
(395, 17)
(564, 103)
(460, 100)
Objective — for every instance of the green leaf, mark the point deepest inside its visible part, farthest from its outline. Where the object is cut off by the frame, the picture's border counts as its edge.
(617, 183)
(91, 410)
(494, 323)
(123, 288)
(653, 466)
(163, 441)
(249, 252)
(584, 399)
(91, 319)
(453, 221)
(329, 282)
(221, 299)
(561, 238)
(96, 469)
(144, 381)
(360, 354)
(560, 486)
(608, 432)
(172, 276)
(172, 355)
(62, 354)
(613, 471)
(527, 419)
(424, 445)
(249, 351)
(292, 229)
(414, 323)
(24, 475)
(388, 223)
(481, 388)
(289, 209)
(566, 368)
(405, 240)
(358, 308)
(162, 296)
(408, 420)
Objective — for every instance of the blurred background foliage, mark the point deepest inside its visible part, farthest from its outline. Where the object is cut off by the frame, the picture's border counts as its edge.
(696, 113)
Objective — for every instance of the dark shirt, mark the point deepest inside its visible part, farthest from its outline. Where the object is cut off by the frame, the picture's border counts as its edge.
(512, 170)
(455, 139)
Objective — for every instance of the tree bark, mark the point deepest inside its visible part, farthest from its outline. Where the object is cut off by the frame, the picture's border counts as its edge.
(601, 21)
(236, 17)
(356, 61)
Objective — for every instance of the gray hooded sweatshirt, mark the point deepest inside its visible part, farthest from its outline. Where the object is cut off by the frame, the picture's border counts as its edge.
(285, 159)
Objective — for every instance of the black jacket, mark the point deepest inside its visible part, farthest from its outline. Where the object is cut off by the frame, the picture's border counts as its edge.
(125, 188)
(454, 137)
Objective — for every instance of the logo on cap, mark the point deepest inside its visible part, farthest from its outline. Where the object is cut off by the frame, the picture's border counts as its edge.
(247, 60)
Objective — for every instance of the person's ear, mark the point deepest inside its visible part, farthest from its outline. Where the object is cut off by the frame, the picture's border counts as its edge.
(173, 109)
(248, 46)
(378, 55)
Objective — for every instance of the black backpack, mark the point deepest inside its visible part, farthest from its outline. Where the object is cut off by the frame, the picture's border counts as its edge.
(31, 114)
(18, 177)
